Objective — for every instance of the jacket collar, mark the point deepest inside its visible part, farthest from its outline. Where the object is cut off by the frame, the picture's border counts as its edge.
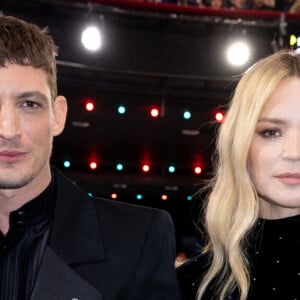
(75, 234)
(57, 280)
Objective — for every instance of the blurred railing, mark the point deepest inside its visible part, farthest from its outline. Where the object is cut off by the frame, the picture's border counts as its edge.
(196, 10)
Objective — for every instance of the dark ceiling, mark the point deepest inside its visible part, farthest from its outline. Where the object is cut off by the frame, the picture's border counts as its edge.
(165, 57)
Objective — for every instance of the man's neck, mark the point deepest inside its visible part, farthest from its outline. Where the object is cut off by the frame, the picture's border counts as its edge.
(7, 205)
(4, 221)
(11, 200)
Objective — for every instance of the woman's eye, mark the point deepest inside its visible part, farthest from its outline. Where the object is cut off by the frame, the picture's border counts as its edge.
(270, 133)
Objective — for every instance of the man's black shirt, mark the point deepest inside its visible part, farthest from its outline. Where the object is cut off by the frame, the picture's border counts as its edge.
(22, 248)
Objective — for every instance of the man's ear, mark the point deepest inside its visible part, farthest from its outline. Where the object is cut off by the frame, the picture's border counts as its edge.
(60, 108)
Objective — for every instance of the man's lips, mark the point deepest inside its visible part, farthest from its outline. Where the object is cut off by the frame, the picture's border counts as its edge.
(11, 156)
(289, 178)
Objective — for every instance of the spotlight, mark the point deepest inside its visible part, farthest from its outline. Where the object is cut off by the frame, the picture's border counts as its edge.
(171, 169)
(114, 196)
(67, 164)
(238, 53)
(187, 115)
(164, 197)
(91, 38)
(121, 109)
(154, 112)
(139, 196)
(293, 40)
(89, 105)
(93, 165)
(146, 168)
(197, 170)
(119, 167)
(219, 116)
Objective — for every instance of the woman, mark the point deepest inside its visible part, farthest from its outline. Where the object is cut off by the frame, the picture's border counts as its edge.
(252, 216)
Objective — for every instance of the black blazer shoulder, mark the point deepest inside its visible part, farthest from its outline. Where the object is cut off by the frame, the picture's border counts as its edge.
(126, 223)
(125, 251)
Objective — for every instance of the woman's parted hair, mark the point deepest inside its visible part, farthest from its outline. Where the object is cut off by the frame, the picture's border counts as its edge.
(24, 43)
(233, 206)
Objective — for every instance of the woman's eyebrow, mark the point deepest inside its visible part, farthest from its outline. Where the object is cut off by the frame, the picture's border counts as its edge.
(271, 120)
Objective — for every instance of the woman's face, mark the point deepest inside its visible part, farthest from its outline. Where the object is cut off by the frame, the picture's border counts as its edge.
(274, 155)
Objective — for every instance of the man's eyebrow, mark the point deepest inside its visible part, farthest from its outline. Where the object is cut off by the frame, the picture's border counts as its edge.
(33, 94)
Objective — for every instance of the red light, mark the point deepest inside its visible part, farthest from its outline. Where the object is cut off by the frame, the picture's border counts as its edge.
(89, 105)
(114, 196)
(164, 197)
(93, 165)
(219, 116)
(154, 112)
(145, 168)
(197, 170)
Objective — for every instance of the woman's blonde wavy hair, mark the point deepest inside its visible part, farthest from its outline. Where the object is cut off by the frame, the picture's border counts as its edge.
(232, 208)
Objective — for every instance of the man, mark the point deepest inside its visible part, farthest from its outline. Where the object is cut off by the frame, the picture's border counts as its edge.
(56, 242)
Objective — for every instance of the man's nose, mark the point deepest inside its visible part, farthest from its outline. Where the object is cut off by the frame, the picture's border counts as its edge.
(9, 122)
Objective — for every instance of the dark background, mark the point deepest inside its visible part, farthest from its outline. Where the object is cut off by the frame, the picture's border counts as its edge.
(173, 58)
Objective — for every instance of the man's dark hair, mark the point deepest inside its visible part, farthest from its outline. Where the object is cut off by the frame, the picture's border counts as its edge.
(26, 44)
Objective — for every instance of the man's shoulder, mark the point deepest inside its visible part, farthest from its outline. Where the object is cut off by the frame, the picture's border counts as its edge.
(135, 214)
(112, 211)
(124, 207)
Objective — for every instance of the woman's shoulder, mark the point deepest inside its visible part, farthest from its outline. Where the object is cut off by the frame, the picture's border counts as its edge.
(191, 273)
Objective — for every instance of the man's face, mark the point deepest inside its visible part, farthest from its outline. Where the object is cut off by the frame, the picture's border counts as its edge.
(28, 121)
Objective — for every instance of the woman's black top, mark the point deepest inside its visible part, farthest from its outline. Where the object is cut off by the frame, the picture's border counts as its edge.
(274, 255)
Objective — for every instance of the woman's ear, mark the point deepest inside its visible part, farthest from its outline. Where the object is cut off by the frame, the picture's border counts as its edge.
(60, 108)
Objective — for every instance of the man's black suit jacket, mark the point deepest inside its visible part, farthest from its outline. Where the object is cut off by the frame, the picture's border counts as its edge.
(104, 249)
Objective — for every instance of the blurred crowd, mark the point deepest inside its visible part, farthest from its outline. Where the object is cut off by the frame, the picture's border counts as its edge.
(275, 5)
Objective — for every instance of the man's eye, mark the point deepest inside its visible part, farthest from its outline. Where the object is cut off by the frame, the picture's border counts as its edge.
(270, 133)
(30, 104)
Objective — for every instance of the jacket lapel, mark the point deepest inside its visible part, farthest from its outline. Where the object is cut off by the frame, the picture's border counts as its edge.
(75, 238)
(56, 280)
(75, 234)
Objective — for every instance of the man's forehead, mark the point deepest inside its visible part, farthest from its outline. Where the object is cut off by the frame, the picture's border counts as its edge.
(17, 79)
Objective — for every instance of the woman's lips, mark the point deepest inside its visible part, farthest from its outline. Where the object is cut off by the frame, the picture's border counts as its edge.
(289, 178)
